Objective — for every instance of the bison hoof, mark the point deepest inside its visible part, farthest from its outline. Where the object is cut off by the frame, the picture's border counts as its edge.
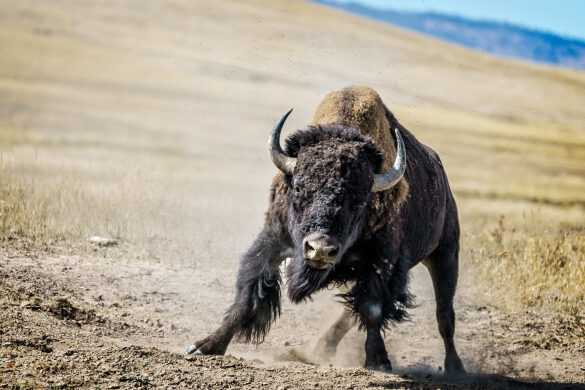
(324, 352)
(211, 345)
(384, 367)
(453, 366)
(192, 350)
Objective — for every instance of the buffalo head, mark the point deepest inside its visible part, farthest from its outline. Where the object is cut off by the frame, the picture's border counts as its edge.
(331, 171)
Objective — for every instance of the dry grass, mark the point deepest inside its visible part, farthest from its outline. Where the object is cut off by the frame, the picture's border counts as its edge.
(45, 215)
(530, 266)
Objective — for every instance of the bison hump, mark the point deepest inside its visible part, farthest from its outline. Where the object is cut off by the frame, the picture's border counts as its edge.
(360, 107)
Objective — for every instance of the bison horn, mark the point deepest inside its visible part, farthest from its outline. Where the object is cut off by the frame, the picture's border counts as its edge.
(387, 180)
(283, 162)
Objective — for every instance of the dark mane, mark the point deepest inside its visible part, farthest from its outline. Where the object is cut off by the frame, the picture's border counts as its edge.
(315, 134)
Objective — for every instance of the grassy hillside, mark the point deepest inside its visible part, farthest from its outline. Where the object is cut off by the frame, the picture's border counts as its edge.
(499, 38)
(148, 122)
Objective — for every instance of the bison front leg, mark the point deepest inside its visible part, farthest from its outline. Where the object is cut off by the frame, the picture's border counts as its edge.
(369, 306)
(380, 297)
(376, 354)
(257, 301)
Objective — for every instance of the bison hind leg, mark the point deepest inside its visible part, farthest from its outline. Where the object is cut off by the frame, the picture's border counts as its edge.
(326, 347)
(443, 267)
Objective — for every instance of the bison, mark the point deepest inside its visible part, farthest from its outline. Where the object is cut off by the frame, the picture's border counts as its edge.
(349, 208)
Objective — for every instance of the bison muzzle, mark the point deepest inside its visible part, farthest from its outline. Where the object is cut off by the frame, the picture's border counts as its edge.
(358, 202)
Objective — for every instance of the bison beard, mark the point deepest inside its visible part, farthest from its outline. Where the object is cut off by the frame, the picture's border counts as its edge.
(379, 224)
(303, 280)
(389, 284)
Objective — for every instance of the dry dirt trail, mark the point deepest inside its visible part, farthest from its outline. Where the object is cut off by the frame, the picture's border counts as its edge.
(99, 322)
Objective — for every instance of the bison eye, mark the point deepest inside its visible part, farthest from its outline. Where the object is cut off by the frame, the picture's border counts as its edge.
(298, 191)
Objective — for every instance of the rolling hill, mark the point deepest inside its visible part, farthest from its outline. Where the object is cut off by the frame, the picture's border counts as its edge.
(501, 39)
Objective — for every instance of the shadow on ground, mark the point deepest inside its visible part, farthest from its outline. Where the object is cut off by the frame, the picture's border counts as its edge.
(472, 380)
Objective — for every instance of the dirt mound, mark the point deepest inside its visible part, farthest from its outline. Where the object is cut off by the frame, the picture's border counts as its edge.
(63, 309)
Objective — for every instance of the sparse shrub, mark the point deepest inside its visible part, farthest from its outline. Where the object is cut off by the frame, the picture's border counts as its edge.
(25, 213)
(527, 268)
(41, 215)
(497, 234)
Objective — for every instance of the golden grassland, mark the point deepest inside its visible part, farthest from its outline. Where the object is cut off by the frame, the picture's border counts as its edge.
(528, 267)
(518, 250)
(150, 127)
(34, 215)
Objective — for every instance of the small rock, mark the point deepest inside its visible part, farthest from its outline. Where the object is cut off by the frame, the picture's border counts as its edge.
(30, 305)
(46, 348)
(103, 241)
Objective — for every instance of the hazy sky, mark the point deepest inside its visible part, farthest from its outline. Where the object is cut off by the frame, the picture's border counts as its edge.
(564, 17)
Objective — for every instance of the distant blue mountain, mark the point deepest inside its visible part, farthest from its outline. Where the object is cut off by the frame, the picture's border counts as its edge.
(497, 38)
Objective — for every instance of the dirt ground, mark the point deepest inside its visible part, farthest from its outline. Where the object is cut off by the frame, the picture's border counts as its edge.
(60, 328)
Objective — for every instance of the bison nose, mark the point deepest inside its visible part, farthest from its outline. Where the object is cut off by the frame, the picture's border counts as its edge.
(320, 249)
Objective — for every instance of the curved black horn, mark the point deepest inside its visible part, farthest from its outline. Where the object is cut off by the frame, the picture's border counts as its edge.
(387, 180)
(283, 162)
